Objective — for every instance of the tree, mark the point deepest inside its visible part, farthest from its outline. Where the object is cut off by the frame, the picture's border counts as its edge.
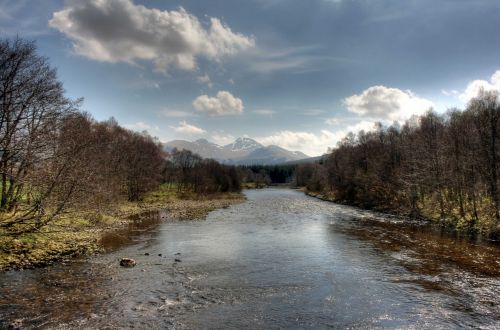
(486, 115)
(32, 111)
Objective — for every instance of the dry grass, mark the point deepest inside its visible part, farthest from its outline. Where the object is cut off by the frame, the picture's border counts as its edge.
(78, 232)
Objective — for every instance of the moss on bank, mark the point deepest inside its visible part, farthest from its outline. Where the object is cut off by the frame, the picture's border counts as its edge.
(78, 232)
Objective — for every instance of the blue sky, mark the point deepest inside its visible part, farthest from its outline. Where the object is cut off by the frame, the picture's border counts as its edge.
(299, 74)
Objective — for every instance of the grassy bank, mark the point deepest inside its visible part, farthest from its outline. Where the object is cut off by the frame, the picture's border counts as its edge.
(78, 232)
(485, 225)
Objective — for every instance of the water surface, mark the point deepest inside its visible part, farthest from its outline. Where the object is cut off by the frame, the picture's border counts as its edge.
(279, 260)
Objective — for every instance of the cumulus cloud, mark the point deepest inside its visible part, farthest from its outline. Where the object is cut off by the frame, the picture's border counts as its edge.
(121, 31)
(385, 103)
(224, 103)
(310, 143)
(185, 128)
(475, 86)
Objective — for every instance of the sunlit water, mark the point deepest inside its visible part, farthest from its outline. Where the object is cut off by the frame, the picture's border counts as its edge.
(279, 260)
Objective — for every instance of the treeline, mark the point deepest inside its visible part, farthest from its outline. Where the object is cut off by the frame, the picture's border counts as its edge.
(437, 166)
(55, 158)
(191, 172)
(264, 175)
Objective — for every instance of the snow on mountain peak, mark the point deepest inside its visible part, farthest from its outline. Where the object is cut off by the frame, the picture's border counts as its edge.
(243, 144)
(241, 151)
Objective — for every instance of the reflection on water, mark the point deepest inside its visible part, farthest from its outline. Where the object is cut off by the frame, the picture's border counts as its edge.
(141, 223)
(281, 259)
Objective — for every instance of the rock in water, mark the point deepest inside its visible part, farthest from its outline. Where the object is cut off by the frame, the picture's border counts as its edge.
(127, 262)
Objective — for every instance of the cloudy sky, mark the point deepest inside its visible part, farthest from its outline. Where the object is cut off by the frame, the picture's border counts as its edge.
(295, 73)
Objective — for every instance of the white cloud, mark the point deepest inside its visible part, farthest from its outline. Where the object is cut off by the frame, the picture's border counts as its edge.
(121, 31)
(141, 126)
(185, 128)
(364, 125)
(475, 86)
(332, 121)
(175, 113)
(224, 103)
(310, 143)
(267, 66)
(205, 79)
(385, 103)
(452, 92)
(296, 60)
(265, 112)
(222, 138)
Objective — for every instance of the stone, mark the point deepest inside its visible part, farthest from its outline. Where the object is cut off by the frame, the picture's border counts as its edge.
(127, 262)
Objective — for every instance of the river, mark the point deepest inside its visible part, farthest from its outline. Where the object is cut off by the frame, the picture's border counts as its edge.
(279, 260)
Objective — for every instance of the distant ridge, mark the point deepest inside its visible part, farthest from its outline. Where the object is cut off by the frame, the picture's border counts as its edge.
(243, 151)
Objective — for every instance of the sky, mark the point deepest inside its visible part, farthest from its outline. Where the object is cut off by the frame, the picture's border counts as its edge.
(294, 73)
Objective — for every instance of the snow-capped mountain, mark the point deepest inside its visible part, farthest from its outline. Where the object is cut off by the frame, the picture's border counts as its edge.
(272, 155)
(243, 151)
(243, 144)
(201, 147)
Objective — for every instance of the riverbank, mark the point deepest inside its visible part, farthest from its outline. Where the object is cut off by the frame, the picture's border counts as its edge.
(78, 233)
(485, 228)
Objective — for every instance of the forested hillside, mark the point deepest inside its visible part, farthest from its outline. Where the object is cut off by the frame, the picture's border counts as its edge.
(437, 166)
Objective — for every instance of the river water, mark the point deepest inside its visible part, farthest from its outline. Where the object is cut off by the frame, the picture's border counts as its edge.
(279, 260)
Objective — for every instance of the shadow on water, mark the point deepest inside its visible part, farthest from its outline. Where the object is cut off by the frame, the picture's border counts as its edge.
(433, 247)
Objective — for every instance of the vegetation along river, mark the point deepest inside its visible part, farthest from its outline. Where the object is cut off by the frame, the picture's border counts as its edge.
(280, 259)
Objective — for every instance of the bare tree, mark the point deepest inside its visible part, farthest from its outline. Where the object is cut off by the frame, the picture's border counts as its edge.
(486, 114)
(444, 163)
(32, 107)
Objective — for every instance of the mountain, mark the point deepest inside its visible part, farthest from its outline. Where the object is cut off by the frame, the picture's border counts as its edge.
(271, 155)
(243, 151)
(202, 147)
(316, 159)
(243, 144)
